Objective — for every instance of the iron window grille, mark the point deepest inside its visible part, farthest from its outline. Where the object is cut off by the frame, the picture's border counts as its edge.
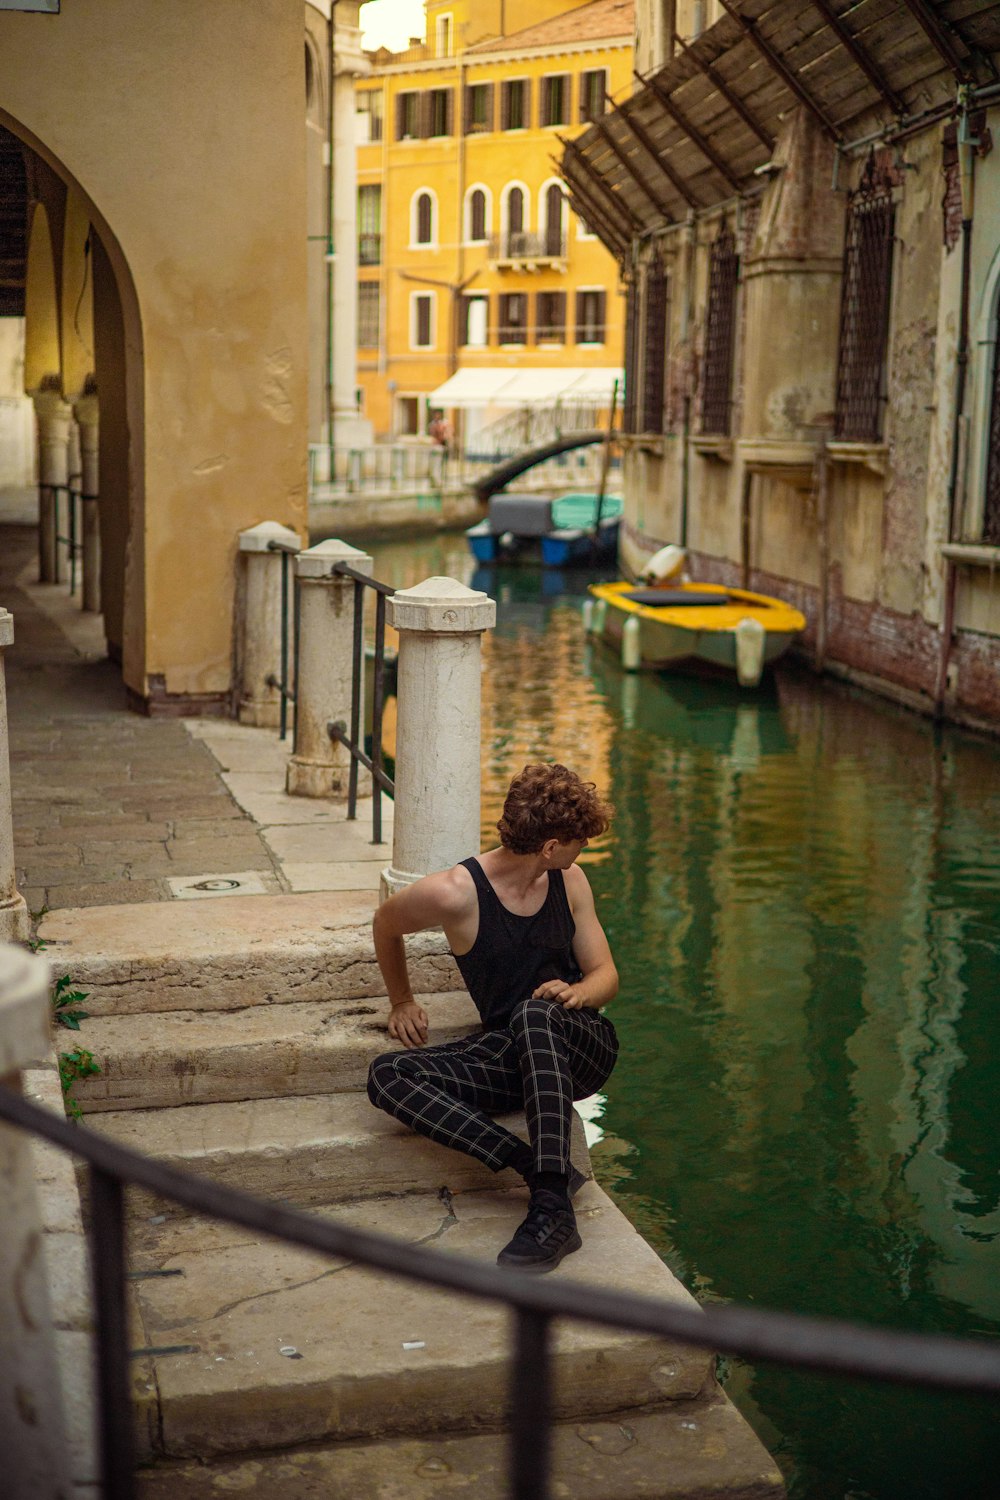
(630, 403)
(991, 497)
(864, 309)
(514, 318)
(720, 334)
(369, 224)
(515, 104)
(368, 314)
(654, 347)
(550, 317)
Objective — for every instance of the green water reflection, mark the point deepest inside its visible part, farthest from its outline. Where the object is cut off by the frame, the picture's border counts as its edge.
(803, 891)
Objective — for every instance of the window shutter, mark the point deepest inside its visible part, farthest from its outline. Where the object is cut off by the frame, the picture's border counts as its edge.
(449, 111)
(505, 105)
(400, 115)
(423, 321)
(490, 118)
(467, 109)
(631, 357)
(600, 300)
(527, 100)
(545, 101)
(654, 347)
(424, 114)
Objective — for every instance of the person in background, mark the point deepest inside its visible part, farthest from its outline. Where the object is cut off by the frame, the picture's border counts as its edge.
(521, 923)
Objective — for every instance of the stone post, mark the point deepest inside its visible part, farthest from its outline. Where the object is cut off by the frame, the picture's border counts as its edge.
(438, 773)
(262, 548)
(319, 767)
(53, 468)
(87, 412)
(31, 1415)
(14, 926)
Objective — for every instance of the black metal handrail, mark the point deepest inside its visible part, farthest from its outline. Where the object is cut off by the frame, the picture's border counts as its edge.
(74, 547)
(337, 729)
(286, 693)
(821, 1345)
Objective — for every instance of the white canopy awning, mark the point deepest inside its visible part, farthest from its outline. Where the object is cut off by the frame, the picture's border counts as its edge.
(526, 387)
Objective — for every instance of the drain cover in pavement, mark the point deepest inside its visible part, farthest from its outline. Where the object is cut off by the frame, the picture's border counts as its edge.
(239, 883)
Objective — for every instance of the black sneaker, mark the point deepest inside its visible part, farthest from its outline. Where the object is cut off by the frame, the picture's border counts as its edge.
(547, 1235)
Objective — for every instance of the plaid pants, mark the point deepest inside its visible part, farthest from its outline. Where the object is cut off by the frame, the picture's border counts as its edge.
(544, 1058)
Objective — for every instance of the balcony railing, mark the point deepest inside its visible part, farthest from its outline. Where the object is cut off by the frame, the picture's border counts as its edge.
(369, 249)
(520, 245)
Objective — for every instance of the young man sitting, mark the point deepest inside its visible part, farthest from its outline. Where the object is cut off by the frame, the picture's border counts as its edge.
(521, 923)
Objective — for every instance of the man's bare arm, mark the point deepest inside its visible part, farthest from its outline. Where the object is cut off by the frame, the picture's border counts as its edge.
(432, 902)
(599, 984)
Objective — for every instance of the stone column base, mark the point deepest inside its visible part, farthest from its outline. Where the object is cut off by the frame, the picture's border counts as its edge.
(323, 778)
(15, 924)
(393, 880)
(264, 712)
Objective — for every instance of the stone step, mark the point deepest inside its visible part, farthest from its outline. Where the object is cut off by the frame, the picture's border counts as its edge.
(274, 1346)
(318, 1149)
(151, 1061)
(697, 1450)
(229, 952)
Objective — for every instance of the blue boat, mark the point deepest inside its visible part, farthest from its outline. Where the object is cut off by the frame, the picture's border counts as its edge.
(557, 533)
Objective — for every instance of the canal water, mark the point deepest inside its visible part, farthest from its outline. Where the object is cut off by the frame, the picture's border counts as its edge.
(802, 889)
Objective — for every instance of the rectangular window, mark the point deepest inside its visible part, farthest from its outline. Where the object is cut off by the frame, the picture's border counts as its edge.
(630, 406)
(515, 104)
(555, 99)
(720, 334)
(368, 314)
(407, 116)
(654, 347)
(370, 224)
(422, 320)
(438, 112)
(443, 29)
(478, 108)
(408, 416)
(864, 312)
(475, 320)
(550, 318)
(369, 107)
(590, 304)
(513, 318)
(592, 88)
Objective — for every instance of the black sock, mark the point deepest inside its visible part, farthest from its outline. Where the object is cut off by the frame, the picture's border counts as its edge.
(556, 1183)
(522, 1161)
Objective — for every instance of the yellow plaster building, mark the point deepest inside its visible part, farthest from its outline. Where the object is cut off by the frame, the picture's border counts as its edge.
(470, 256)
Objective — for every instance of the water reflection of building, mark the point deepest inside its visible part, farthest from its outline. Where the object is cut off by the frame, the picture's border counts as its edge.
(814, 926)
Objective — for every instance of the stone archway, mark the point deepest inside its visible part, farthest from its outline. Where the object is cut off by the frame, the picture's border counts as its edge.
(83, 369)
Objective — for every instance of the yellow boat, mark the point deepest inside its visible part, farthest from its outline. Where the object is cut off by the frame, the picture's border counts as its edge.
(693, 624)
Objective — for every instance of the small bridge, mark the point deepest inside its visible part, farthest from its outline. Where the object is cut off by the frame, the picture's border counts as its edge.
(510, 468)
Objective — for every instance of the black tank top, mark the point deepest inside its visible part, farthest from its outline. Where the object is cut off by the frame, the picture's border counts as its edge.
(512, 955)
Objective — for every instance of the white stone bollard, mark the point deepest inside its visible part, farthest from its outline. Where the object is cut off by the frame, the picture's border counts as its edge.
(14, 925)
(319, 767)
(31, 1415)
(438, 772)
(87, 413)
(53, 415)
(261, 548)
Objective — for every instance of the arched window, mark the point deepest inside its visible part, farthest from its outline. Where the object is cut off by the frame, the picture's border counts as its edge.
(422, 219)
(515, 211)
(477, 214)
(554, 214)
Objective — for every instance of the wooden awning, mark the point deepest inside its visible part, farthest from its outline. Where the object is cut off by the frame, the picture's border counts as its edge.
(696, 130)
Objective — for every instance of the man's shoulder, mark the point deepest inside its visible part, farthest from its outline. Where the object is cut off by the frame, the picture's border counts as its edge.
(455, 889)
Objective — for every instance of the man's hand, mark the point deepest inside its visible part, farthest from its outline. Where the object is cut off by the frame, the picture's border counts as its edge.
(408, 1023)
(564, 994)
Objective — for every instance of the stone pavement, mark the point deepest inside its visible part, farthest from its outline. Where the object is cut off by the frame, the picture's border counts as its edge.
(111, 808)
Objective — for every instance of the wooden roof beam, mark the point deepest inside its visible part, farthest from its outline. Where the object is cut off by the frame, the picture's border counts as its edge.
(657, 203)
(614, 201)
(859, 55)
(785, 72)
(662, 165)
(679, 118)
(596, 225)
(733, 99)
(939, 37)
(609, 232)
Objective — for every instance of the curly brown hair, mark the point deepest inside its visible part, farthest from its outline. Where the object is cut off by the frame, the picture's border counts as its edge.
(550, 802)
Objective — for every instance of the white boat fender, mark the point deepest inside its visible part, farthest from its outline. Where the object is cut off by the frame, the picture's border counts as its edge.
(588, 616)
(599, 616)
(631, 655)
(666, 564)
(750, 641)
